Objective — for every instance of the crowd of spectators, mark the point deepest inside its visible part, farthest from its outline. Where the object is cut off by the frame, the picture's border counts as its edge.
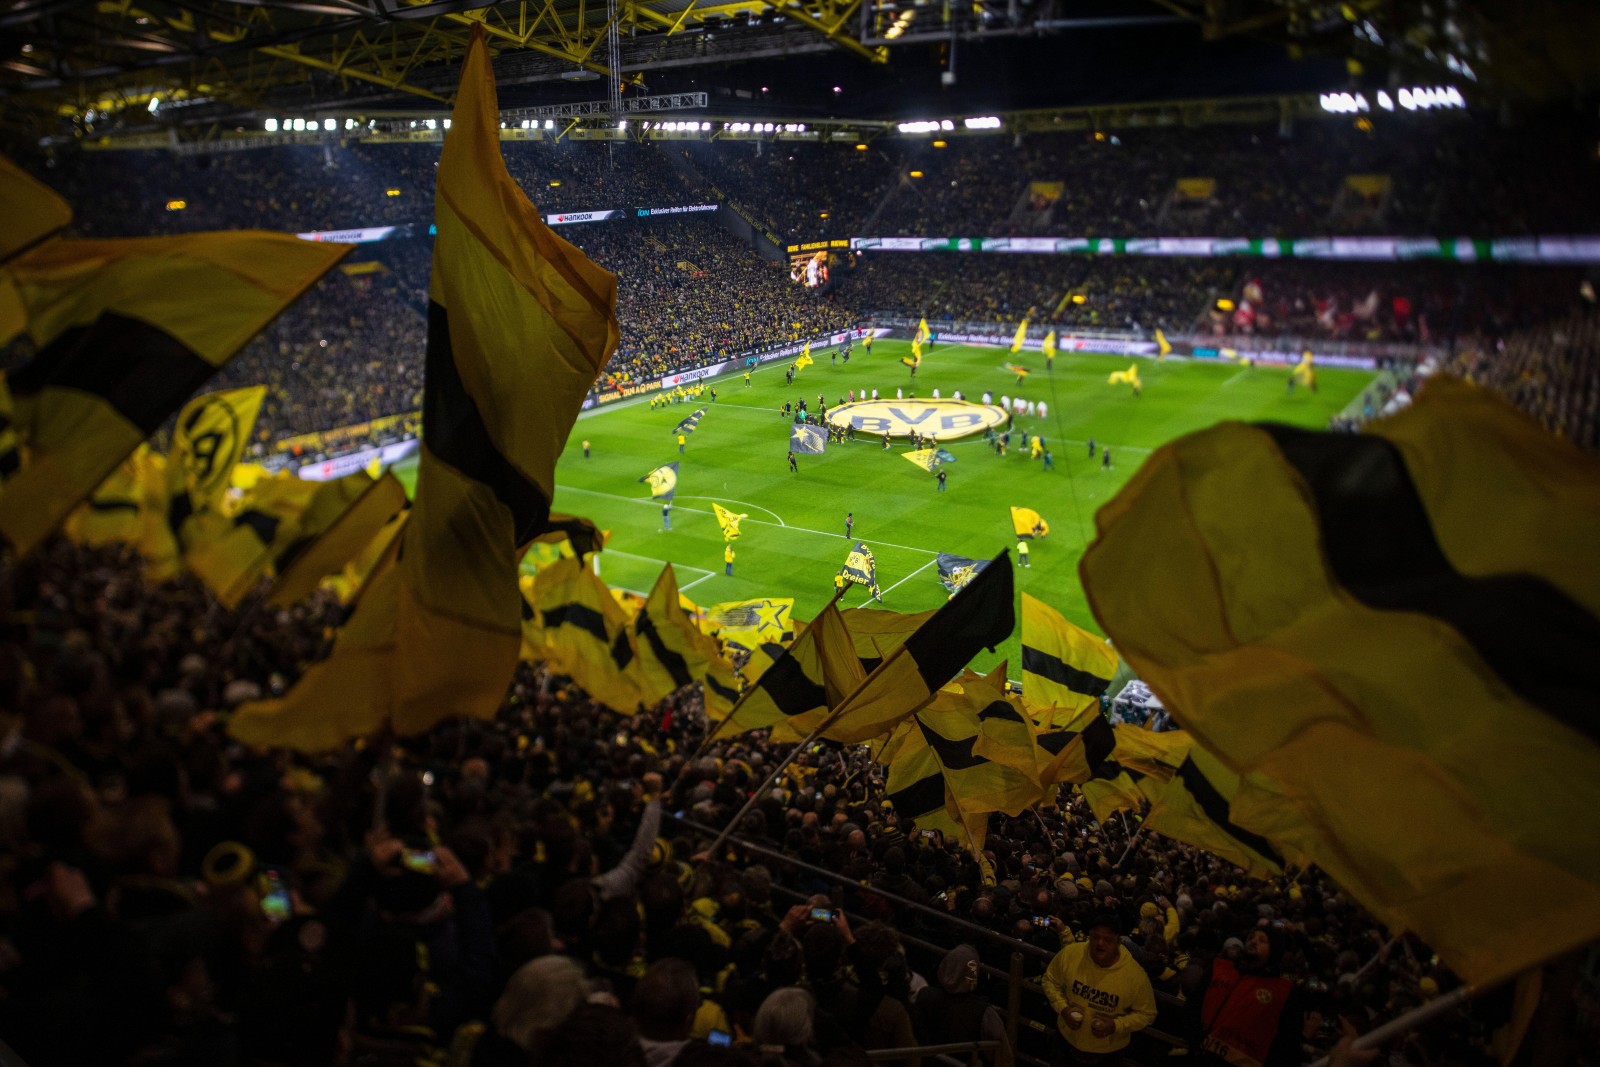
(522, 891)
(1552, 372)
(689, 293)
(1449, 175)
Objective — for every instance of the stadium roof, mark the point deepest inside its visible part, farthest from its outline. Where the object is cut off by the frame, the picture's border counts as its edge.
(71, 68)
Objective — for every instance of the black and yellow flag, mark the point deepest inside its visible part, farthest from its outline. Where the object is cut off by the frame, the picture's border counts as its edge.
(956, 571)
(663, 481)
(130, 507)
(211, 435)
(1065, 669)
(672, 652)
(333, 531)
(124, 332)
(690, 424)
(1398, 633)
(980, 616)
(729, 521)
(1190, 794)
(754, 622)
(970, 752)
(860, 568)
(33, 212)
(10, 452)
(520, 323)
(1075, 748)
(1028, 524)
(585, 633)
(796, 692)
(876, 633)
(230, 553)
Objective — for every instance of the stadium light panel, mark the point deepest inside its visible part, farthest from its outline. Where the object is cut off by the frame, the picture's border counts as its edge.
(982, 122)
(177, 205)
(271, 125)
(330, 124)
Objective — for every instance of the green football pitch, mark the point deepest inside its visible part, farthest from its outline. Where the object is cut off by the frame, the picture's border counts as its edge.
(793, 540)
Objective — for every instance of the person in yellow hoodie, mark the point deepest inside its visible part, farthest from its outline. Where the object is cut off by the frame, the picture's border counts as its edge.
(1101, 996)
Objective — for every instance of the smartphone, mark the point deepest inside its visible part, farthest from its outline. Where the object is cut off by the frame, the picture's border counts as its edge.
(823, 915)
(622, 738)
(1041, 920)
(930, 835)
(422, 861)
(943, 896)
(275, 902)
(719, 1037)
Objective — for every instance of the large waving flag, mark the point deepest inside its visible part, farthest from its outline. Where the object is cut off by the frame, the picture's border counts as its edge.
(672, 652)
(1049, 346)
(923, 334)
(1020, 371)
(124, 332)
(797, 689)
(806, 438)
(1065, 669)
(929, 459)
(876, 633)
(1028, 524)
(978, 617)
(1125, 377)
(1075, 748)
(663, 481)
(520, 323)
(1190, 792)
(586, 635)
(10, 453)
(861, 568)
(1397, 633)
(729, 521)
(956, 571)
(211, 435)
(33, 212)
(690, 424)
(968, 753)
(230, 553)
(751, 623)
(334, 531)
(1163, 346)
(1020, 338)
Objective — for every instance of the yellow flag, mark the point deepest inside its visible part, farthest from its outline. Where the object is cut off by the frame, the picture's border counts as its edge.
(1028, 524)
(333, 535)
(729, 521)
(876, 633)
(1304, 373)
(796, 691)
(672, 652)
(34, 211)
(750, 623)
(211, 435)
(1050, 345)
(1020, 337)
(586, 634)
(1125, 377)
(520, 324)
(124, 331)
(10, 450)
(1065, 669)
(231, 553)
(923, 334)
(1163, 348)
(1395, 633)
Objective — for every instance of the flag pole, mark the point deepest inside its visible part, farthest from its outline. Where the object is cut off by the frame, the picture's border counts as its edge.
(766, 785)
(1134, 840)
(1380, 954)
(1413, 1019)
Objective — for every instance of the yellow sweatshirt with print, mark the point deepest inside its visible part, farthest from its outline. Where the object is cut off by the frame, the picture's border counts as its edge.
(1121, 991)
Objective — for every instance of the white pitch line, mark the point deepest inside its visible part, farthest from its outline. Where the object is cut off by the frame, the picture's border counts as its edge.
(697, 581)
(653, 559)
(758, 522)
(910, 576)
(1234, 377)
(741, 503)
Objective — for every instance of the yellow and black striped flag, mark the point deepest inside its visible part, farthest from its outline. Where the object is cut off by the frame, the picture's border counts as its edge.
(124, 331)
(980, 616)
(796, 692)
(729, 521)
(585, 633)
(231, 553)
(1065, 669)
(969, 752)
(876, 633)
(1398, 633)
(672, 652)
(1075, 748)
(333, 531)
(519, 322)
(33, 212)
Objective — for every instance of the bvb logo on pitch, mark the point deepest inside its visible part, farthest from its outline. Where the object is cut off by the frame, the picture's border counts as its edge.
(943, 419)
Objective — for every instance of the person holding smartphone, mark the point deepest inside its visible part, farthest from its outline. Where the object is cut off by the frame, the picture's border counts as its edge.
(1101, 996)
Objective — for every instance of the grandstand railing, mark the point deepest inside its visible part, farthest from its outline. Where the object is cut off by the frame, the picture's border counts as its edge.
(1162, 1035)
